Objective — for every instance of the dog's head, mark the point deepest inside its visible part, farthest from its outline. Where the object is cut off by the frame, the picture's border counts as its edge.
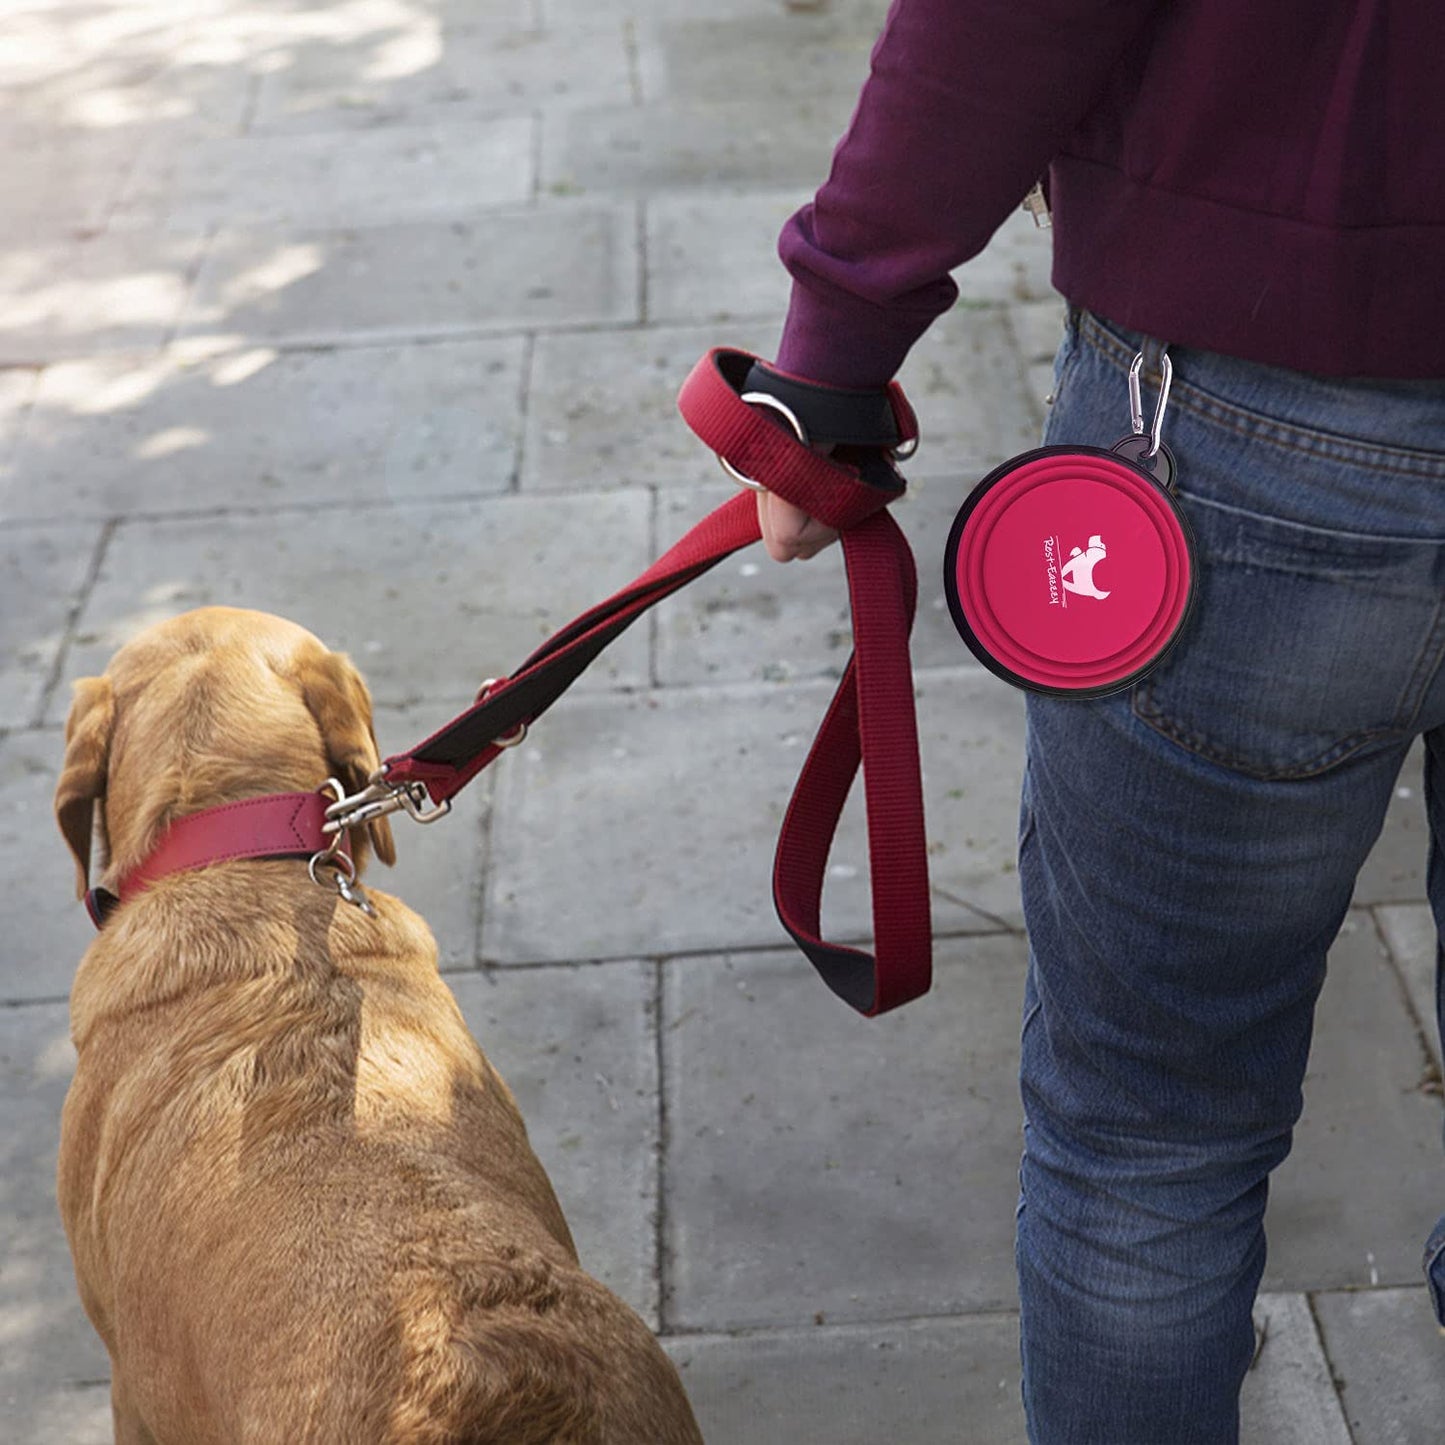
(209, 707)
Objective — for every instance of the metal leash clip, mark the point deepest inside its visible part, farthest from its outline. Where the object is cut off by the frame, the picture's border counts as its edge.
(380, 797)
(332, 856)
(377, 799)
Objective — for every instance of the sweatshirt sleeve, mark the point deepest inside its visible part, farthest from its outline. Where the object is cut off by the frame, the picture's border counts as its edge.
(966, 103)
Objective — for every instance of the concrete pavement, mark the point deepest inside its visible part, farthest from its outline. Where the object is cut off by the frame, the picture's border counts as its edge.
(372, 313)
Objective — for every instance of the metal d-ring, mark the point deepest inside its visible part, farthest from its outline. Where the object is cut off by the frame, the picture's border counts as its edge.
(762, 398)
(332, 858)
(1136, 401)
(518, 733)
(346, 885)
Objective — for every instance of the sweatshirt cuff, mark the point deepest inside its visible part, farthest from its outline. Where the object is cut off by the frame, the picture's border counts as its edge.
(842, 340)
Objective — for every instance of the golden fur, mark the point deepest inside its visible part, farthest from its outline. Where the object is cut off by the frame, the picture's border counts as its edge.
(301, 1203)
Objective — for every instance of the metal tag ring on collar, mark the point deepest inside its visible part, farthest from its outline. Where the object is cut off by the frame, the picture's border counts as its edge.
(762, 398)
(342, 862)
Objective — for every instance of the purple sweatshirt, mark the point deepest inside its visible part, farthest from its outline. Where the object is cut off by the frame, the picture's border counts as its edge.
(1264, 178)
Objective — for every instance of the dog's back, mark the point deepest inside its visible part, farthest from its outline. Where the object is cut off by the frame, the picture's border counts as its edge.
(303, 1205)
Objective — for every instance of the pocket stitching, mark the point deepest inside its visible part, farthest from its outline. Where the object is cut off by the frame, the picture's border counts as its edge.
(1250, 426)
(1143, 706)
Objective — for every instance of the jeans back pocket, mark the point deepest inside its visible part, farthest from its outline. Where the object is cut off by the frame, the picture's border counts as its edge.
(1307, 646)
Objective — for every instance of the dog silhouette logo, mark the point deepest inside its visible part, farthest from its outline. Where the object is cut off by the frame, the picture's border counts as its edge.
(1078, 571)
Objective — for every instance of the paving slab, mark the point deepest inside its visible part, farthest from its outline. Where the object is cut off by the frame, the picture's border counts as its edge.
(818, 1161)
(60, 1415)
(1015, 266)
(642, 826)
(1360, 1192)
(752, 620)
(968, 384)
(578, 1047)
(148, 88)
(714, 257)
(926, 1382)
(1395, 869)
(256, 427)
(465, 71)
(58, 186)
(122, 291)
(921, 1380)
(635, 149)
(428, 599)
(377, 33)
(1410, 933)
(45, 928)
(50, 41)
(1288, 1396)
(17, 387)
(43, 571)
(362, 178)
(762, 58)
(1389, 1357)
(564, 13)
(602, 408)
(47, 1339)
(555, 265)
(1039, 328)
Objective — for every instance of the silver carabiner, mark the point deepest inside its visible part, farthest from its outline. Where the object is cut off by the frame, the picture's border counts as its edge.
(1136, 401)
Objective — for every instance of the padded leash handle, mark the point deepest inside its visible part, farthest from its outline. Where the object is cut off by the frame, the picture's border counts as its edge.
(870, 722)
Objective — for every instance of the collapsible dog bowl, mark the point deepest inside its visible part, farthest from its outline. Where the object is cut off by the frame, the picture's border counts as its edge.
(1069, 570)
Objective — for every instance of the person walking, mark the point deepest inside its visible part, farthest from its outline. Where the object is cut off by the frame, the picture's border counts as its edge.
(1261, 190)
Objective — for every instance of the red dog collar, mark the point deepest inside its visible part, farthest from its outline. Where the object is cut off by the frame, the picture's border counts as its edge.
(278, 825)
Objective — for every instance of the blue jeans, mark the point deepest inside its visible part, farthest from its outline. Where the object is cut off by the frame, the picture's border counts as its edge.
(1188, 849)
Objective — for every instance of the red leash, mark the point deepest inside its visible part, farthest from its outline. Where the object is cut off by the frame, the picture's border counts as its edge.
(869, 723)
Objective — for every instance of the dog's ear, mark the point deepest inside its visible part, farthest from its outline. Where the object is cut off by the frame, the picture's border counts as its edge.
(82, 778)
(337, 698)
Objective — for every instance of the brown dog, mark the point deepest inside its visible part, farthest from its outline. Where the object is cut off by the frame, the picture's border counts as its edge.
(301, 1203)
